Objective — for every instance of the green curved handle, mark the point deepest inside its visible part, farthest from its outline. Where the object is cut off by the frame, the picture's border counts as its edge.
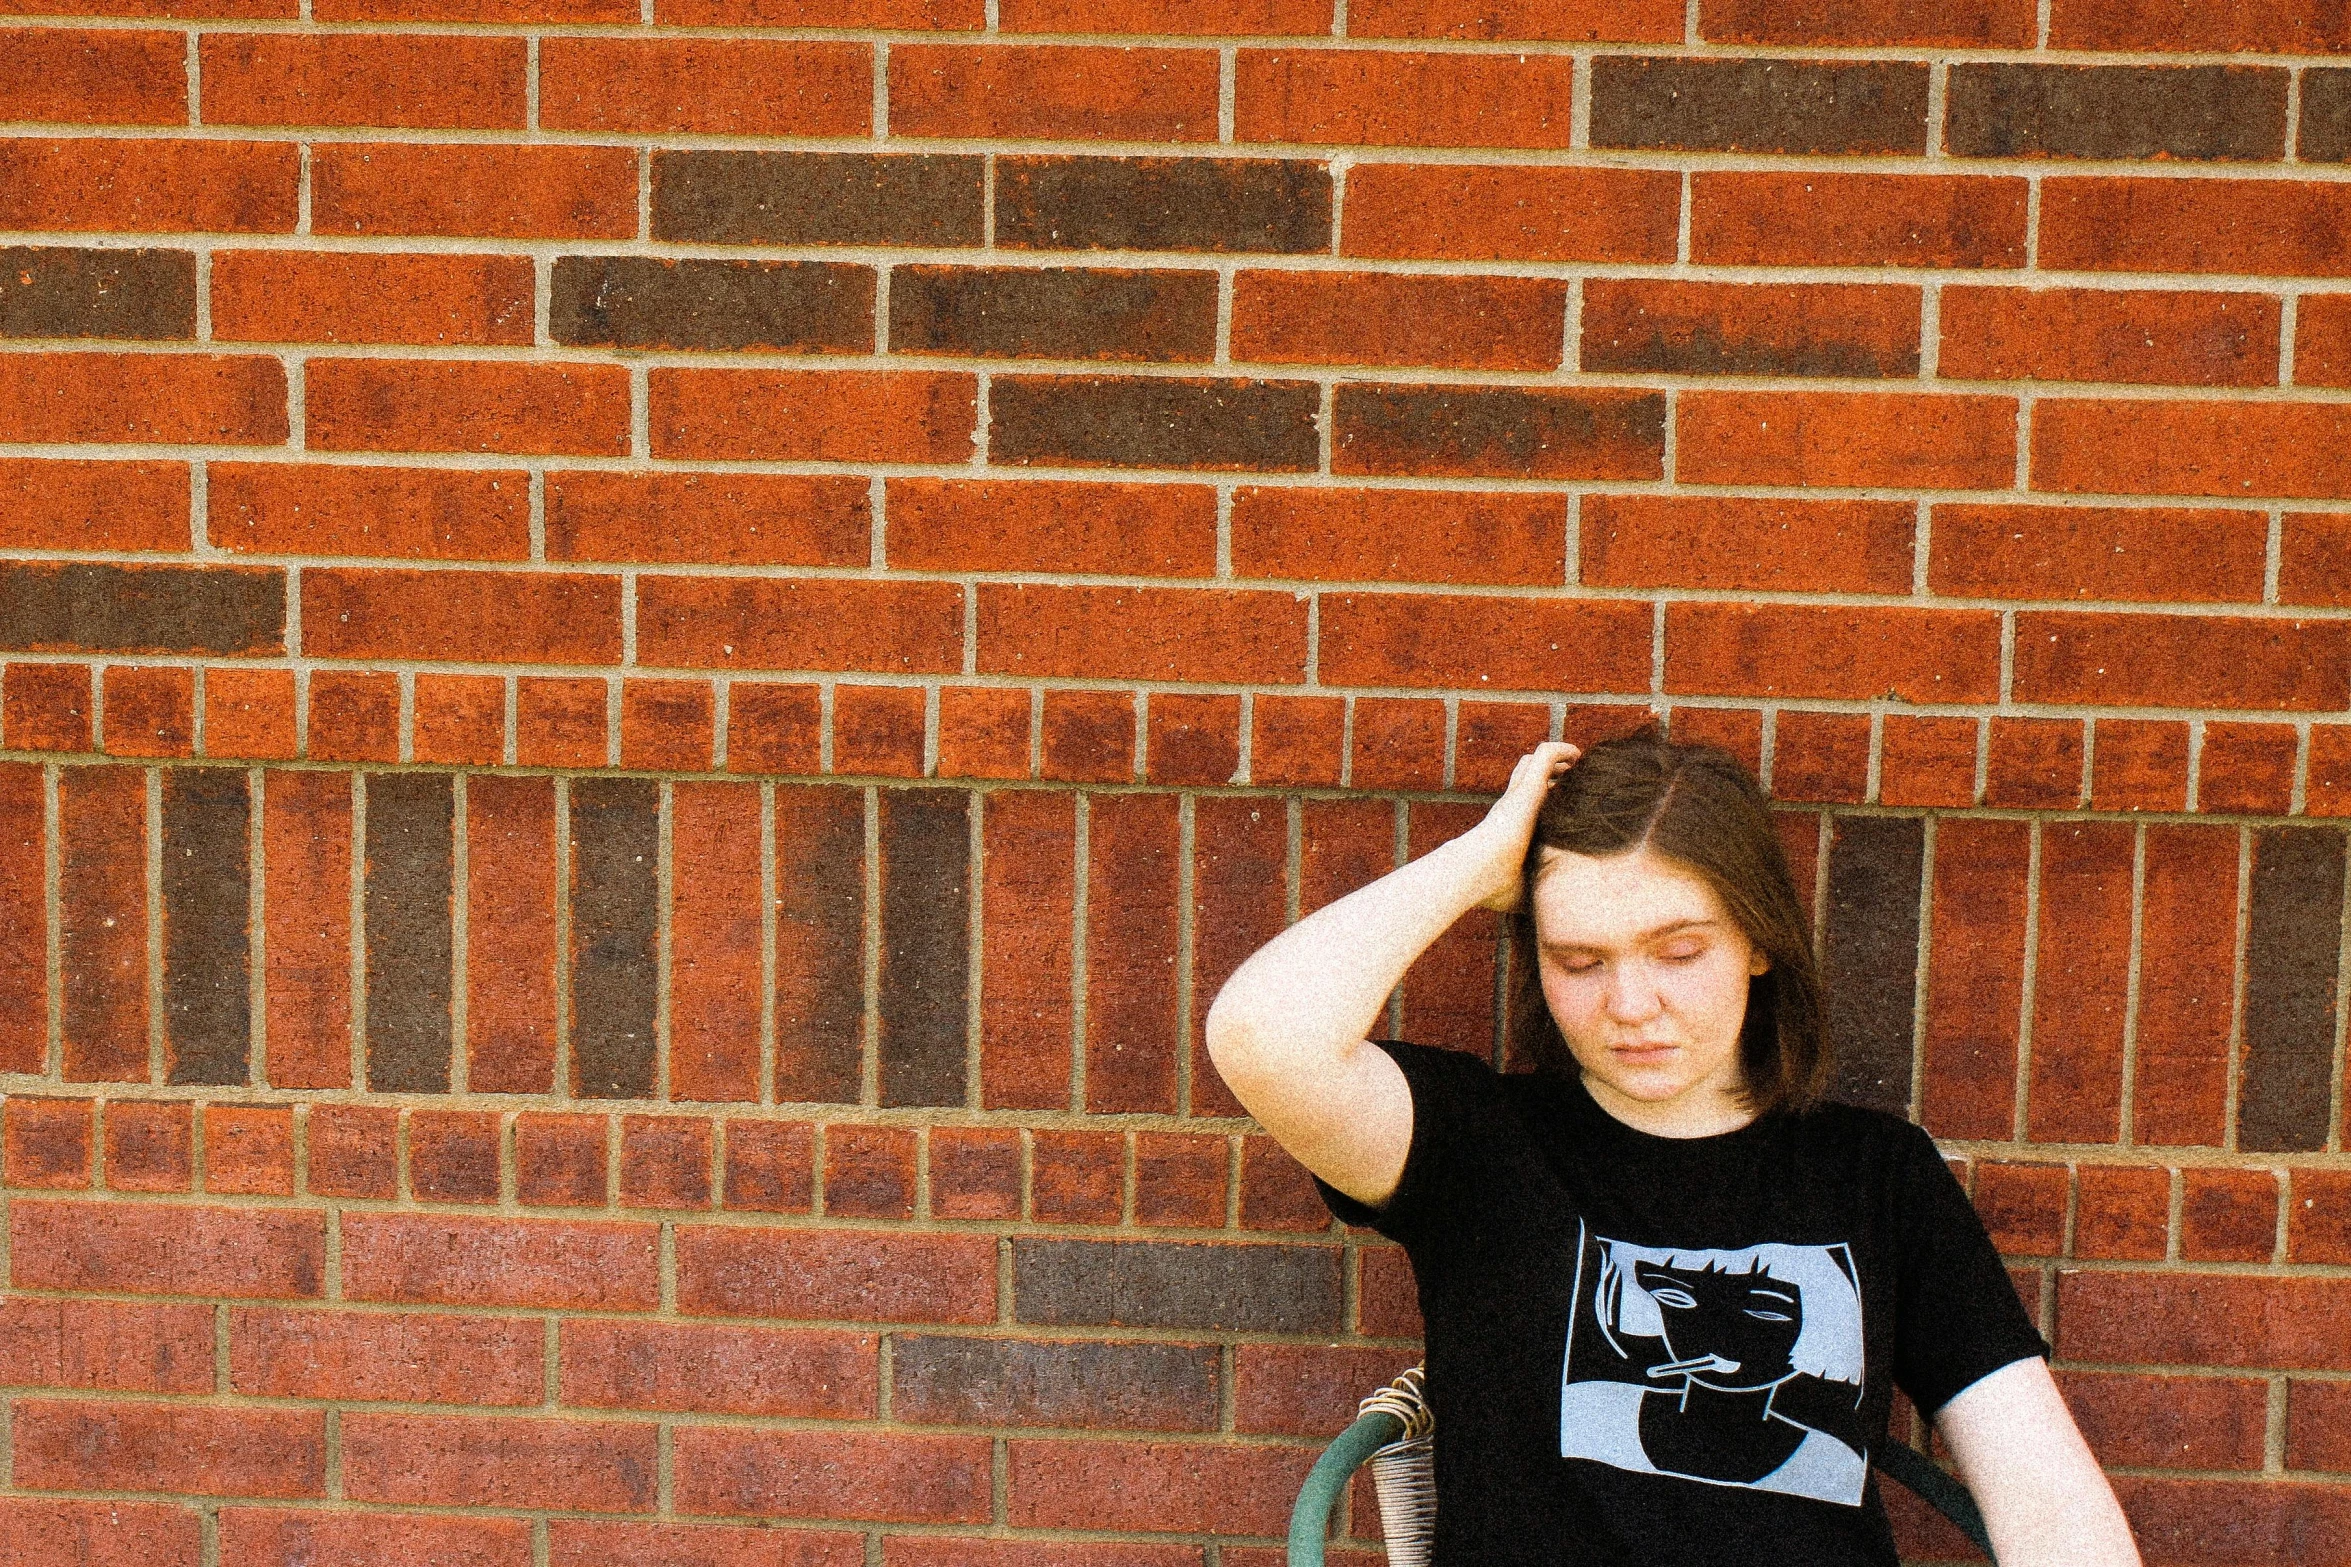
(1310, 1520)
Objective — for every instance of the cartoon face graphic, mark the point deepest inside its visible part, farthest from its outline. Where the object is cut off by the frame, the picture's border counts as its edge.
(1726, 1329)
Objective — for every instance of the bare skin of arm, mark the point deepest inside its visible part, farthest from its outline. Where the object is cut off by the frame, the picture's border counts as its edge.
(1288, 1029)
(2045, 1502)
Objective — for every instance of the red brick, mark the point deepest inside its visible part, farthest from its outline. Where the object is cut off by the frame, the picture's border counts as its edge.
(48, 1142)
(720, 1370)
(714, 977)
(1736, 730)
(560, 723)
(869, 1172)
(1462, 212)
(1193, 739)
(2034, 764)
(1143, 530)
(492, 1461)
(192, 1450)
(2246, 769)
(836, 1274)
(814, 415)
(443, 81)
(705, 86)
(1788, 329)
(1120, 633)
(112, 506)
(2175, 1422)
(390, 405)
(46, 707)
(522, 617)
(1213, 18)
(249, 1149)
(2139, 765)
(1387, 1302)
(1133, 1020)
(510, 933)
(385, 1357)
(945, 1551)
(1077, 1177)
(774, 728)
(2318, 1218)
(1051, 90)
(1362, 318)
(1088, 737)
(2322, 340)
(1484, 643)
(1777, 546)
(1892, 439)
(158, 186)
(738, 519)
(2185, 1521)
(770, 1166)
(1839, 653)
(166, 1249)
(149, 711)
(557, 11)
(459, 719)
(1297, 740)
(2202, 1319)
(983, 732)
(699, 1545)
(1220, 1488)
(667, 726)
(908, 15)
(1398, 743)
(1402, 100)
(249, 713)
(1326, 535)
(2297, 27)
(2122, 1211)
(101, 1344)
(548, 1263)
(2082, 981)
(2081, 334)
(100, 1534)
(278, 296)
(1813, 219)
(2238, 450)
(2187, 980)
(2023, 1206)
(1821, 756)
(476, 190)
(878, 729)
(315, 509)
(1927, 761)
(102, 855)
(2327, 791)
(2273, 228)
(559, 1160)
(1975, 983)
(353, 1151)
(1981, 24)
(1490, 737)
(2315, 561)
(1276, 1192)
(1287, 1390)
(76, 77)
(2229, 1215)
(975, 1172)
(2098, 552)
(149, 1145)
(453, 1156)
(2182, 661)
(1612, 21)
(1343, 845)
(179, 399)
(354, 717)
(1180, 1179)
(866, 1476)
(284, 1537)
(2318, 1426)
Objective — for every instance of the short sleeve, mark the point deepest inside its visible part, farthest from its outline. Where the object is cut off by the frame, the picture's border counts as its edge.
(1455, 1101)
(1958, 1318)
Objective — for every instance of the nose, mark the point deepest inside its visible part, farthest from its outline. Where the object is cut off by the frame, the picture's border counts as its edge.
(1632, 993)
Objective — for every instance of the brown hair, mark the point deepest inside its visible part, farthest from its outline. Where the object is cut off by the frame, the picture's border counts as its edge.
(1697, 805)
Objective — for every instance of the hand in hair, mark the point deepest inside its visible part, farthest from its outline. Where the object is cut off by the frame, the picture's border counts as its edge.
(1509, 825)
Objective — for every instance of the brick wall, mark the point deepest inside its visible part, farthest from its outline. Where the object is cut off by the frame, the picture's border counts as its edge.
(651, 661)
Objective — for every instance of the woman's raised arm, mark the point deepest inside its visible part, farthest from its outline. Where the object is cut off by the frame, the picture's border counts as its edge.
(1288, 1029)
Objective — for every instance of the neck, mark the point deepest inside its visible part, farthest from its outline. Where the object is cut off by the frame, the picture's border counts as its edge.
(1704, 1112)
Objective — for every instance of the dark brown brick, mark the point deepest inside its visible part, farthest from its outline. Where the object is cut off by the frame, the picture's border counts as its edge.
(615, 859)
(1224, 205)
(926, 945)
(410, 876)
(1170, 1284)
(649, 302)
(64, 291)
(2292, 951)
(820, 943)
(142, 609)
(1012, 1382)
(1095, 422)
(207, 938)
(1798, 106)
(817, 198)
(2325, 133)
(1500, 432)
(1869, 960)
(1826, 329)
(2116, 111)
(1054, 313)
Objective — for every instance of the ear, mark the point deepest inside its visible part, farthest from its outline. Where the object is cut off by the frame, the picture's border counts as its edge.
(1759, 962)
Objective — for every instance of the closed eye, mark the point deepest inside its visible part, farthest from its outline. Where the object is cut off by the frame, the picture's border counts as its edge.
(1680, 1300)
(1769, 1316)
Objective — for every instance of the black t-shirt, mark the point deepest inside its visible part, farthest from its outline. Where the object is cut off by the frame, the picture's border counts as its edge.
(1650, 1350)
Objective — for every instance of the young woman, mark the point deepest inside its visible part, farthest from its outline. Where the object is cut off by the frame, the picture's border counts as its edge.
(1668, 1292)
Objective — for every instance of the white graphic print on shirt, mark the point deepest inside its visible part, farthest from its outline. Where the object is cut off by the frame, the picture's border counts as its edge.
(1735, 1368)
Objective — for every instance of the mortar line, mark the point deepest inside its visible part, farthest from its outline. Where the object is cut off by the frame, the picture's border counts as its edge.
(1080, 964)
(460, 937)
(2028, 986)
(2133, 978)
(2239, 984)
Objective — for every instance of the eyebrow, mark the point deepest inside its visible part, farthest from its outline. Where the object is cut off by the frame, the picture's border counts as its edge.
(1668, 929)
